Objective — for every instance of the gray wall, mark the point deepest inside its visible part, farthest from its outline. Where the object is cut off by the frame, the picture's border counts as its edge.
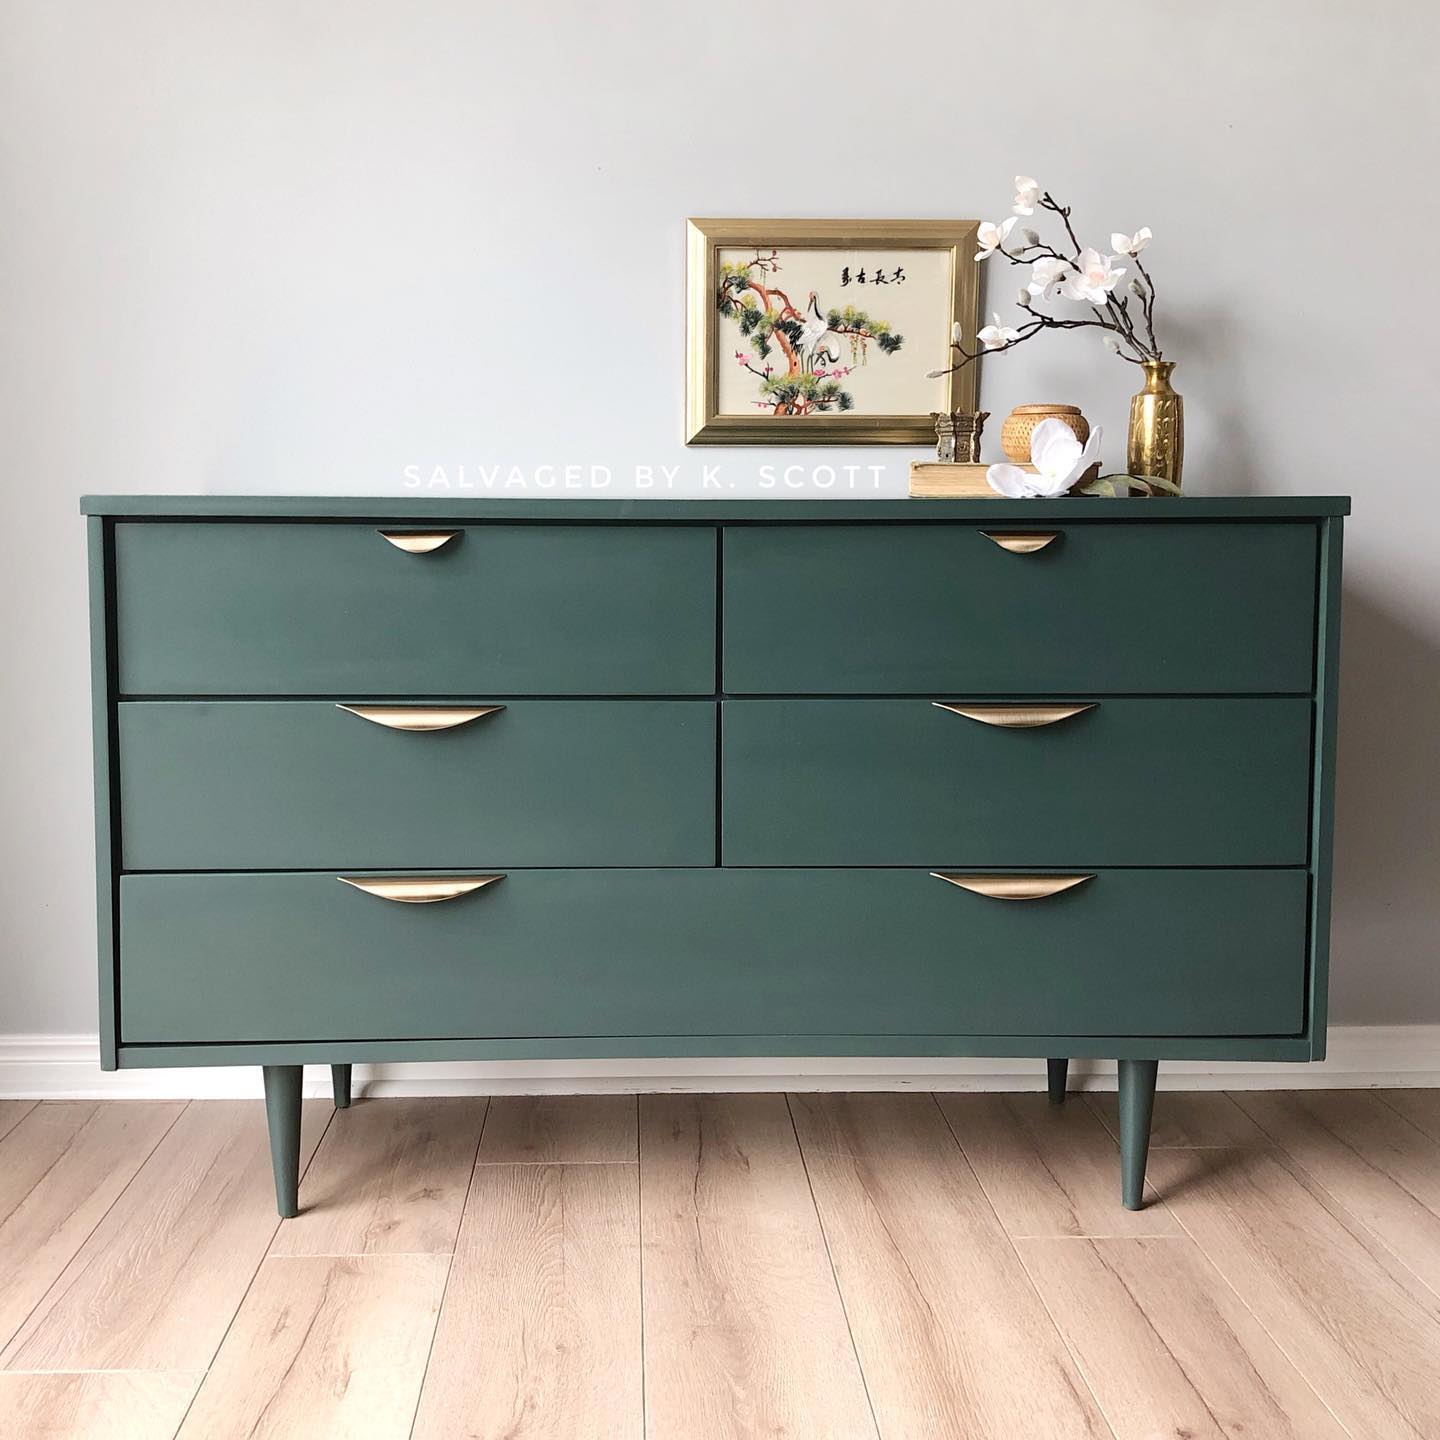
(288, 246)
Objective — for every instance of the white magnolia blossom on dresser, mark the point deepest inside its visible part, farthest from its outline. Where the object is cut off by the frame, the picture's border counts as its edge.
(1059, 458)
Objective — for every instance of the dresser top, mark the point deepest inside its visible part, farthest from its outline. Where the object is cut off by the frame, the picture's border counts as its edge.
(450, 507)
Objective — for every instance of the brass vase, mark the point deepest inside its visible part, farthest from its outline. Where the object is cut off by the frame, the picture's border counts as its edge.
(1157, 426)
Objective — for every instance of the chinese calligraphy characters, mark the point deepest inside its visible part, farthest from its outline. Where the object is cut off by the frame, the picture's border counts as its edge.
(876, 275)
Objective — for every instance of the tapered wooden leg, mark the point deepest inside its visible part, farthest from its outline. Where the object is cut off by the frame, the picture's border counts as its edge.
(1056, 1070)
(1137, 1104)
(340, 1083)
(282, 1112)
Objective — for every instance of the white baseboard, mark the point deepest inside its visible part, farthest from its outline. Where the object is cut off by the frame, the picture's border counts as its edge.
(63, 1067)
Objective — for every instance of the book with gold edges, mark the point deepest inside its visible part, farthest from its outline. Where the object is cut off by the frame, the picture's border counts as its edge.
(933, 480)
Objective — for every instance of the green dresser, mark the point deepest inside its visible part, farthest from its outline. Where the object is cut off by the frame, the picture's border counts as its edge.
(442, 779)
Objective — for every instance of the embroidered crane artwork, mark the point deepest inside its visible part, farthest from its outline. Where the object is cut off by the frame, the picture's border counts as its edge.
(800, 353)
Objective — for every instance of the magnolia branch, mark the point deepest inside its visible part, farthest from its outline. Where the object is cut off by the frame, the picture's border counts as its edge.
(1027, 331)
(1083, 275)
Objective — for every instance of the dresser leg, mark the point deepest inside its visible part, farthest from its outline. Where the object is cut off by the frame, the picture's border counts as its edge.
(340, 1083)
(1137, 1103)
(282, 1112)
(1056, 1071)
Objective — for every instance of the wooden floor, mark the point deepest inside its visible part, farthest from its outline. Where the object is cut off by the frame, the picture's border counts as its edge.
(817, 1267)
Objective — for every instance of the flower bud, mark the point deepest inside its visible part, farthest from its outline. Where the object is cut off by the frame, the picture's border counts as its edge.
(1137, 289)
(935, 374)
(1111, 344)
(1031, 237)
(957, 335)
(1024, 297)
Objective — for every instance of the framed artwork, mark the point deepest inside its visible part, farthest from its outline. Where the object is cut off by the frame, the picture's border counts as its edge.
(819, 332)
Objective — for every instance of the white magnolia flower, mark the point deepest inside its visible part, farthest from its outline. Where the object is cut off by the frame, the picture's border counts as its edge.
(997, 336)
(1094, 278)
(1056, 454)
(990, 237)
(1130, 244)
(1027, 192)
(1045, 277)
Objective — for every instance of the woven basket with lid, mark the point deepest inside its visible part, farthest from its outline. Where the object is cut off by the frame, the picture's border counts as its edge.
(1020, 424)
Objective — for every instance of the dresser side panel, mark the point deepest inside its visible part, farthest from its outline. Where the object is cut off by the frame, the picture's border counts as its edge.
(1327, 696)
(102, 670)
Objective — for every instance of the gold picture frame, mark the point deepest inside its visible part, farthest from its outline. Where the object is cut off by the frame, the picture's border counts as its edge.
(771, 406)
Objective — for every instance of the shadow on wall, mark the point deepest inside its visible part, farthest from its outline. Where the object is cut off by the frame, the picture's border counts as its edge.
(1384, 946)
(1204, 339)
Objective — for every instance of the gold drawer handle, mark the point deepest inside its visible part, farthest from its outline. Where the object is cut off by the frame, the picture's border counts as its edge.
(1014, 887)
(1021, 542)
(420, 717)
(418, 542)
(1015, 717)
(419, 889)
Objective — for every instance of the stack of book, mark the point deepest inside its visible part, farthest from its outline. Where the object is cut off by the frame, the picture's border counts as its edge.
(931, 480)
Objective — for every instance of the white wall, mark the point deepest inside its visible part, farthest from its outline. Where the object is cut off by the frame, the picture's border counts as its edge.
(285, 246)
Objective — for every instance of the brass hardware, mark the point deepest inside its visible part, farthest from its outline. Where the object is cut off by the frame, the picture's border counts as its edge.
(1021, 542)
(420, 717)
(1015, 717)
(1014, 887)
(418, 542)
(419, 889)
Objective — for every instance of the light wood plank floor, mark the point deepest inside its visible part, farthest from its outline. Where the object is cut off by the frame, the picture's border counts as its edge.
(805, 1267)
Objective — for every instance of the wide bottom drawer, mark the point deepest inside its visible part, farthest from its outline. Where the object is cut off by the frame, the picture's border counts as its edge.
(217, 958)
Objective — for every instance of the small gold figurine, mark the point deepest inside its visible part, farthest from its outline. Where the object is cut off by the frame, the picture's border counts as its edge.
(958, 435)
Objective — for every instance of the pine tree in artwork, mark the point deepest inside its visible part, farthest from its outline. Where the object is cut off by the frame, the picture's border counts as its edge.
(812, 344)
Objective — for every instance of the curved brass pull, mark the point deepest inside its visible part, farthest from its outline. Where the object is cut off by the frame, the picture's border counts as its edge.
(419, 889)
(1015, 717)
(420, 717)
(1014, 887)
(1021, 542)
(418, 542)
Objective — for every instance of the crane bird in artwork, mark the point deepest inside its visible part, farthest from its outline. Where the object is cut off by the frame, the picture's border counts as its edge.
(814, 331)
(815, 326)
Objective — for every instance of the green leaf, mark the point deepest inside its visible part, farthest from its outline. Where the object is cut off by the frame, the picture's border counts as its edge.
(1158, 482)
(1146, 484)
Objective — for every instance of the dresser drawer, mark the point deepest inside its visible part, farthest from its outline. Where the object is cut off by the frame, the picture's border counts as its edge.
(904, 782)
(295, 785)
(334, 609)
(300, 957)
(1182, 608)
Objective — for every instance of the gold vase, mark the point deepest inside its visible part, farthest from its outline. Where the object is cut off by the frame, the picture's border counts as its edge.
(1157, 426)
